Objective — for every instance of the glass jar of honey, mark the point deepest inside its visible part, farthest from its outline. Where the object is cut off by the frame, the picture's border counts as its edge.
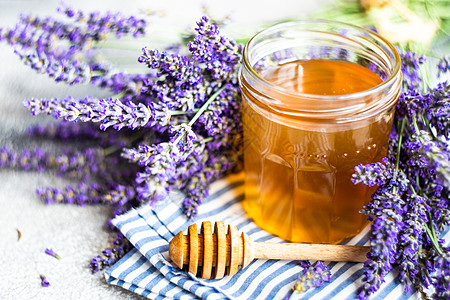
(318, 100)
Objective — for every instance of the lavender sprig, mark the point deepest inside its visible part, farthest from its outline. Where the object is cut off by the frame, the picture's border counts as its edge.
(311, 276)
(72, 72)
(75, 164)
(411, 63)
(108, 112)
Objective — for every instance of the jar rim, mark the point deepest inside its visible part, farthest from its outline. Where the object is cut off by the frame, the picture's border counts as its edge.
(390, 80)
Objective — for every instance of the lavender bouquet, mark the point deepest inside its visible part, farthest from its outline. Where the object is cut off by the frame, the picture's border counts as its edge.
(174, 127)
(411, 207)
(177, 127)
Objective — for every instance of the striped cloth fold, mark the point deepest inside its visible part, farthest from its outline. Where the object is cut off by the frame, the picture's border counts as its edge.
(147, 269)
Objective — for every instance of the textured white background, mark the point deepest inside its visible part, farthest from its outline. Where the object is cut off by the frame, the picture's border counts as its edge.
(78, 233)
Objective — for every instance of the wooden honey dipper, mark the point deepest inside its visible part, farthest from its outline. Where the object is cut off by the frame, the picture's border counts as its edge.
(227, 251)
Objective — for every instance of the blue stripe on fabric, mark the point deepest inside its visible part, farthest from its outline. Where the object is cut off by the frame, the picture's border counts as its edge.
(146, 240)
(148, 214)
(444, 232)
(133, 288)
(254, 230)
(264, 238)
(350, 280)
(143, 275)
(330, 265)
(153, 283)
(146, 293)
(127, 220)
(253, 275)
(208, 293)
(138, 229)
(121, 261)
(289, 280)
(386, 289)
(363, 240)
(170, 218)
(221, 208)
(120, 282)
(133, 267)
(168, 235)
(225, 189)
(183, 291)
(268, 279)
(243, 223)
(216, 194)
(157, 250)
(167, 289)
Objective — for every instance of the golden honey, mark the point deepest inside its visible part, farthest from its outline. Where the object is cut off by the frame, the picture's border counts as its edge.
(307, 124)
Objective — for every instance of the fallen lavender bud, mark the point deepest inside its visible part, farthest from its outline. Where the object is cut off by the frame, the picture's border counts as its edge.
(44, 281)
(50, 252)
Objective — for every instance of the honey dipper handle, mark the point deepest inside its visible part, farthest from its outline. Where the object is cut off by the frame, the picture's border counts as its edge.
(290, 251)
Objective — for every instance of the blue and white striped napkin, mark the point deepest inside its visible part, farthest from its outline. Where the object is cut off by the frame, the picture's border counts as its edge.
(147, 269)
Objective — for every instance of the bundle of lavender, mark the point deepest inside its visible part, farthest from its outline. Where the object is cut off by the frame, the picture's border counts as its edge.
(177, 127)
(174, 127)
(411, 207)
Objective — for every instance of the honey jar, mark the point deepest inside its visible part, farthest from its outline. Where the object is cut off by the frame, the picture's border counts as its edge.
(318, 100)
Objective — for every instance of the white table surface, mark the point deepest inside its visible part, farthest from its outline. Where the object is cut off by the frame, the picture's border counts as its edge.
(77, 234)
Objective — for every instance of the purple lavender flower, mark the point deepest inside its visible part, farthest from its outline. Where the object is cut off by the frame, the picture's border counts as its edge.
(311, 276)
(411, 63)
(65, 131)
(438, 112)
(411, 205)
(436, 153)
(410, 237)
(219, 54)
(160, 161)
(81, 194)
(442, 276)
(99, 25)
(411, 103)
(41, 33)
(371, 174)
(222, 116)
(75, 164)
(107, 112)
(72, 72)
(50, 252)
(44, 281)
(179, 80)
(110, 256)
(65, 52)
(443, 65)
(199, 171)
(383, 240)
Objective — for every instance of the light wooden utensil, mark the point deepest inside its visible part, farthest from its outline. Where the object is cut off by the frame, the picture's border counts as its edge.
(227, 251)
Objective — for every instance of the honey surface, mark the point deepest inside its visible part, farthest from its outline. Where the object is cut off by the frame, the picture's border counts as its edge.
(298, 181)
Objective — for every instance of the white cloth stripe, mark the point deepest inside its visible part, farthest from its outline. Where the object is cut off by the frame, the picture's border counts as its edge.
(150, 229)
